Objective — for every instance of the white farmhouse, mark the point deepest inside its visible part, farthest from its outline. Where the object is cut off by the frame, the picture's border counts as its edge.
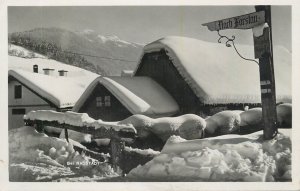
(42, 84)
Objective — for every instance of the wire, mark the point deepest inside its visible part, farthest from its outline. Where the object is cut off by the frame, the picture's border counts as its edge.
(101, 57)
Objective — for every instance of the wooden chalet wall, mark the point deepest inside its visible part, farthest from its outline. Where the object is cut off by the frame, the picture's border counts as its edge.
(115, 112)
(160, 68)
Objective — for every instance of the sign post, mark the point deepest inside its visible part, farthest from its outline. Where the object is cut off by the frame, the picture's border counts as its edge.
(264, 52)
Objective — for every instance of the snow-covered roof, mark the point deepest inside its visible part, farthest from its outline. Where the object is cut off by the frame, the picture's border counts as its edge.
(218, 75)
(140, 95)
(26, 64)
(63, 92)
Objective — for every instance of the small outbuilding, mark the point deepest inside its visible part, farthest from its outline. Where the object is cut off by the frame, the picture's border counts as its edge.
(116, 98)
(205, 77)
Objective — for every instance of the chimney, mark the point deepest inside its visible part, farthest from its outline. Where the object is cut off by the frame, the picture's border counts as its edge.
(62, 72)
(48, 71)
(127, 73)
(35, 68)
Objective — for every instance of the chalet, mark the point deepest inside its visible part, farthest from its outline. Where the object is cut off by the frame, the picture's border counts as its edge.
(42, 84)
(116, 98)
(205, 77)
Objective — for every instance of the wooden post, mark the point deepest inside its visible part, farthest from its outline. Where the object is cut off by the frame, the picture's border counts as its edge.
(66, 133)
(117, 147)
(39, 126)
(267, 79)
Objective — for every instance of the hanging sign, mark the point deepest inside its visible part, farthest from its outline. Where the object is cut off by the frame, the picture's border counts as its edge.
(239, 22)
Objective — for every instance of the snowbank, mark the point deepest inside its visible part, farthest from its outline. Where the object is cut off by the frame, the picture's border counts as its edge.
(142, 152)
(75, 119)
(251, 117)
(76, 136)
(224, 122)
(228, 121)
(284, 113)
(30, 147)
(223, 158)
(189, 126)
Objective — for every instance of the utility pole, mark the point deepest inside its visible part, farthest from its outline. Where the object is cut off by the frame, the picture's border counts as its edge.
(263, 44)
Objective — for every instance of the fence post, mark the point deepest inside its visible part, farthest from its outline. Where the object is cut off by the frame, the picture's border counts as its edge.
(117, 147)
(66, 132)
(39, 126)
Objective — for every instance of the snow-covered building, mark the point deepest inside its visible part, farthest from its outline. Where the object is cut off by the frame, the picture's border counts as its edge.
(40, 84)
(116, 98)
(205, 77)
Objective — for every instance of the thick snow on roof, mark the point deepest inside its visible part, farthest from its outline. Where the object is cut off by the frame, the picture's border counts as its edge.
(218, 75)
(140, 95)
(27, 65)
(61, 91)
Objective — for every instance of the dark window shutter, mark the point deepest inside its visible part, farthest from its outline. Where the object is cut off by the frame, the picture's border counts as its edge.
(18, 91)
(18, 111)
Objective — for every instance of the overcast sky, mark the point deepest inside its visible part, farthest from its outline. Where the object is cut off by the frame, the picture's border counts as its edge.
(144, 24)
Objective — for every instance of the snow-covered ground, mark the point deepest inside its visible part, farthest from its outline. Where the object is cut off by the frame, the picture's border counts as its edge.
(36, 157)
(223, 158)
(14, 50)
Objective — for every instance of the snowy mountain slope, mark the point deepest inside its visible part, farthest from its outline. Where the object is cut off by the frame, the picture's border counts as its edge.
(124, 54)
(14, 50)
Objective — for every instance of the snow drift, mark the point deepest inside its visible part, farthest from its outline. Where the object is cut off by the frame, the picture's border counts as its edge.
(189, 126)
(223, 158)
(38, 153)
(75, 119)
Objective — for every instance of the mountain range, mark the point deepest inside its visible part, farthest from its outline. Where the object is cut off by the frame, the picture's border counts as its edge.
(108, 54)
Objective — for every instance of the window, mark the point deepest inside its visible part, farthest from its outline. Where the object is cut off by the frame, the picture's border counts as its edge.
(99, 101)
(107, 101)
(18, 91)
(18, 111)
